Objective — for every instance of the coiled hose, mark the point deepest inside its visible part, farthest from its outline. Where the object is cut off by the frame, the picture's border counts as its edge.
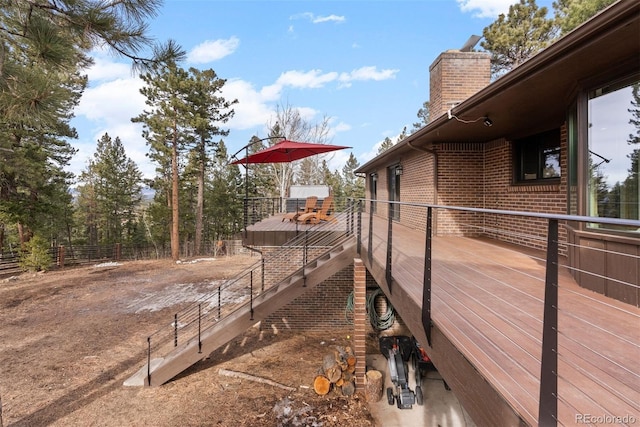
(378, 321)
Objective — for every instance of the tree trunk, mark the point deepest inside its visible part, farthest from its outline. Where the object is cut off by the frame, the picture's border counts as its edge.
(200, 203)
(175, 219)
(373, 386)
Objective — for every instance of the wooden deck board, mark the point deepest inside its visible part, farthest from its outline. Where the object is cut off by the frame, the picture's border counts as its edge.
(488, 298)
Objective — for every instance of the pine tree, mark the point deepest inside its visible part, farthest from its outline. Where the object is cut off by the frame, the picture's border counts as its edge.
(515, 37)
(207, 110)
(113, 192)
(164, 129)
(571, 13)
(353, 184)
(385, 145)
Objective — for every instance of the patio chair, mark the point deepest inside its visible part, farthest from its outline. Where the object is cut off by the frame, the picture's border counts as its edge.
(309, 206)
(325, 213)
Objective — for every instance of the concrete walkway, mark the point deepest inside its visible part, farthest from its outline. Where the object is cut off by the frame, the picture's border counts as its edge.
(440, 409)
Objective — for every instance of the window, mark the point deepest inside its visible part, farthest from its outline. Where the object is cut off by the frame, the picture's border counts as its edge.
(394, 191)
(373, 187)
(537, 157)
(614, 148)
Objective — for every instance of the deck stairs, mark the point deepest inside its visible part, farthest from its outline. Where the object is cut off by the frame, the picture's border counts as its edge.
(278, 278)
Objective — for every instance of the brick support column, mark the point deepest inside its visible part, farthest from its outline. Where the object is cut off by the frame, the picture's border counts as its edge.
(359, 320)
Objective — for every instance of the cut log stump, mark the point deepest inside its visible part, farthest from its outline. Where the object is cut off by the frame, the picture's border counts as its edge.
(321, 385)
(373, 386)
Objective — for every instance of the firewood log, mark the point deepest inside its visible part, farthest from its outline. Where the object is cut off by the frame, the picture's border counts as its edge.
(331, 368)
(321, 385)
(373, 386)
(348, 388)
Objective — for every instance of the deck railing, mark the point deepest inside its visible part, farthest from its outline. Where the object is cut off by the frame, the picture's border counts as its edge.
(274, 266)
(475, 222)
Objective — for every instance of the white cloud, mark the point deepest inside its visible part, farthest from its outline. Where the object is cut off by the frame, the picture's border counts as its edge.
(367, 73)
(112, 102)
(113, 98)
(212, 50)
(319, 19)
(305, 79)
(329, 18)
(485, 8)
(106, 69)
(254, 108)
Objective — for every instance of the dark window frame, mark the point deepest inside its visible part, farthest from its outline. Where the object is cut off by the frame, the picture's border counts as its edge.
(529, 156)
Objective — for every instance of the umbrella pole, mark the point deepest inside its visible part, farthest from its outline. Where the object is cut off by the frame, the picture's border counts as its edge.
(246, 191)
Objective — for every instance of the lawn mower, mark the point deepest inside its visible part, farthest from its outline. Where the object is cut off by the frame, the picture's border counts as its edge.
(398, 350)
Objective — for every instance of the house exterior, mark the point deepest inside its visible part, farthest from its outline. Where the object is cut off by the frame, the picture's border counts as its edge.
(559, 134)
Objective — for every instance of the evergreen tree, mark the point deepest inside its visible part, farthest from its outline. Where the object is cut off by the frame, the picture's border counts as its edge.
(164, 129)
(515, 37)
(223, 213)
(112, 192)
(206, 111)
(386, 144)
(353, 184)
(43, 50)
(571, 13)
(423, 115)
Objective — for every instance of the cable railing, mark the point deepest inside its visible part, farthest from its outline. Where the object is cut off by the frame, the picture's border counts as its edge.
(275, 265)
(572, 349)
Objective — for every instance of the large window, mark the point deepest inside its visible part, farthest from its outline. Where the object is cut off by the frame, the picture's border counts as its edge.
(537, 158)
(614, 146)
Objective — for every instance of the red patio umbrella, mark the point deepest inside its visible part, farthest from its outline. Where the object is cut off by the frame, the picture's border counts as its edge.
(287, 151)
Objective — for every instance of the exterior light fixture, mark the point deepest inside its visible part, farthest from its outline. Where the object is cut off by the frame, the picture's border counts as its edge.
(488, 122)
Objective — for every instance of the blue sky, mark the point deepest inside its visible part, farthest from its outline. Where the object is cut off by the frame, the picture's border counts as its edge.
(364, 64)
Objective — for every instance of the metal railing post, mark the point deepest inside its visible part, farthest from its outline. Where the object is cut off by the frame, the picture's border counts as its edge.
(548, 403)
(262, 274)
(199, 328)
(388, 275)
(426, 284)
(370, 243)
(219, 301)
(175, 330)
(149, 360)
(359, 228)
(251, 293)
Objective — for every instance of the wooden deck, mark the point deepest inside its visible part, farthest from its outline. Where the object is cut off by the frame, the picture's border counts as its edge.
(487, 298)
(276, 231)
(487, 311)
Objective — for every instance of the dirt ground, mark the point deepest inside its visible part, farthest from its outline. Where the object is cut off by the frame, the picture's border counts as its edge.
(69, 339)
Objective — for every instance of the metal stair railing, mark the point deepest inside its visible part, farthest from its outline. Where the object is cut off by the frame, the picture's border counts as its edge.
(286, 262)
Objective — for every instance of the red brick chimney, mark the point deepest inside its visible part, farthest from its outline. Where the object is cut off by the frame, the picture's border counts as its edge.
(454, 77)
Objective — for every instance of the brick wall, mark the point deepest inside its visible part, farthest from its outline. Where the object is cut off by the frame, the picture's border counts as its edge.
(319, 309)
(454, 76)
(481, 176)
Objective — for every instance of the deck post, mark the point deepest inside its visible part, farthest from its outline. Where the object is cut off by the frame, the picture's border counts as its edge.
(388, 275)
(426, 283)
(548, 404)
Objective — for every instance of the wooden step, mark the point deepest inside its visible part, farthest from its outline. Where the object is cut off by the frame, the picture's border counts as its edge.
(237, 322)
